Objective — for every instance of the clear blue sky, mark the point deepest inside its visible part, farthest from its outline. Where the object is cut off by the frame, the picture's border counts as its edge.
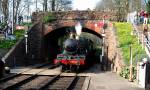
(84, 4)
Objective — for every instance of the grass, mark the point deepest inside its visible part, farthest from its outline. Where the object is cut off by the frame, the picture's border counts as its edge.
(123, 31)
(7, 44)
(27, 24)
(49, 18)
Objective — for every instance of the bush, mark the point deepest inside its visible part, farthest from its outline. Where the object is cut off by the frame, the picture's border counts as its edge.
(7, 44)
(27, 24)
(2, 25)
(125, 72)
(49, 18)
(19, 33)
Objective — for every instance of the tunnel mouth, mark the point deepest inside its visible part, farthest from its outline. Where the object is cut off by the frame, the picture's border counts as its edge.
(53, 41)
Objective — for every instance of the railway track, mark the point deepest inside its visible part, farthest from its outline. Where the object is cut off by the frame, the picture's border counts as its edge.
(41, 82)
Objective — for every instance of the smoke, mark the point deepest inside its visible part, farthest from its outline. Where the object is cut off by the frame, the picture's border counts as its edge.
(78, 28)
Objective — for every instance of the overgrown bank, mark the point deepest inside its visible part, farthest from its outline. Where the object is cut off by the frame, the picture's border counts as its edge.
(127, 40)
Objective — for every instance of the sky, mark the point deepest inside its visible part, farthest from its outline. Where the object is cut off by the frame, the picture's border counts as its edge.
(84, 4)
(76, 4)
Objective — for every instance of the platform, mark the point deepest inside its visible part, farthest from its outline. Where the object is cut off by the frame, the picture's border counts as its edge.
(21, 70)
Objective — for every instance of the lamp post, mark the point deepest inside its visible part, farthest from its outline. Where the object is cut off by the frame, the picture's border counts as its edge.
(26, 31)
(103, 47)
(26, 42)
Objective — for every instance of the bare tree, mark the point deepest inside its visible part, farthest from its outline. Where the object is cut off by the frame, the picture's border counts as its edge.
(60, 5)
(105, 5)
(45, 5)
(53, 5)
(16, 4)
(122, 7)
(5, 8)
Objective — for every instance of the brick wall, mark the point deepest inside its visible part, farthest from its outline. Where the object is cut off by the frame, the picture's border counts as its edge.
(114, 54)
(17, 56)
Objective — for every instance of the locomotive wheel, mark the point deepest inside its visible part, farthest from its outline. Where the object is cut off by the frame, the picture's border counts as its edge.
(63, 68)
(73, 68)
(77, 68)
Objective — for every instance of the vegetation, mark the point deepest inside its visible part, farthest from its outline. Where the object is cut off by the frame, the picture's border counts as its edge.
(126, 72)
(2, 25)
(49, 18)
(148, 6)
(55, 5)
(7, 44)
(27, 24)
(121, 7)
(126, 40)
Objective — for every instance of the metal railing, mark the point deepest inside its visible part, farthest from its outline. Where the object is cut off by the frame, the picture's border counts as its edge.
(145, 40)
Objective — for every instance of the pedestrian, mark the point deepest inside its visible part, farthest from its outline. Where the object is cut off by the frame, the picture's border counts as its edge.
(141, 16)
(145, 17)
(145, 30)
(20, 19)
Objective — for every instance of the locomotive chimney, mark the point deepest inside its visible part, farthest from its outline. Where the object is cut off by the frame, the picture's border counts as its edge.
(72, 36)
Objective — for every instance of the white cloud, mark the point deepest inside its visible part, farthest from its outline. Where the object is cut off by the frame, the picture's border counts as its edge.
(84, 4)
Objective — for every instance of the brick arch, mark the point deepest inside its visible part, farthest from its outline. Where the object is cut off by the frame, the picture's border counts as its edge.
(88, 26)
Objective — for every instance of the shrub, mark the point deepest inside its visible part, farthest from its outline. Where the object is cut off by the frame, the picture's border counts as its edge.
(125, 72)
(49, 18)
(7, 44)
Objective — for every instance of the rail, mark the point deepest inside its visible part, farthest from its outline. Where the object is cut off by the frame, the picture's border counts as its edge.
(145, 40)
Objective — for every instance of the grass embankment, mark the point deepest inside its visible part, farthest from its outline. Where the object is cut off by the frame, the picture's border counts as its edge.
(7, 44)
(123, 31)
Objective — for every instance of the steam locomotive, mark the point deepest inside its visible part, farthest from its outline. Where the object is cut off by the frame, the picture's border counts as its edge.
(76, 54)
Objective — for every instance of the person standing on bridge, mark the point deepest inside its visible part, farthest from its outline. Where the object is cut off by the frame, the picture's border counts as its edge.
(145, 17)
(141, 16)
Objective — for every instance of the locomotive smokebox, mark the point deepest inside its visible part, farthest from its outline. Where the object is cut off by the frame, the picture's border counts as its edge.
(70, 45)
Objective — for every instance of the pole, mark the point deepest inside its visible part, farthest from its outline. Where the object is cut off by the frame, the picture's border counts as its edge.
(28, 11)
(26, 32)
(12, 31)
(131, 62)
(26, 42)
(36, 4)
(131, 5)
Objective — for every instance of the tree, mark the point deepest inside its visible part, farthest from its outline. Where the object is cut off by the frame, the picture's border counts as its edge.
(16, 7)
(45, 5)
(148, 6)
(60, 5)
(53, 5)
(122, 7)
(5, 8)
(105, 5)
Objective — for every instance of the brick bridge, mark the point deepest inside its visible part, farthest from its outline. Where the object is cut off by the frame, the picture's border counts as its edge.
(90, 20)
(43, 38)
